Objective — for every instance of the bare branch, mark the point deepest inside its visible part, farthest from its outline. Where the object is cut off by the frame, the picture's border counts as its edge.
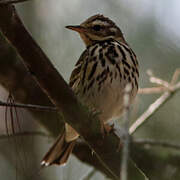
(164, 85)
(152, 90)
(153, 108)
(90, 174)
(175, 76)
(156, 80)
(14, 31)
(62, 96)
(6, 2)
(159, 82)
(29, 106)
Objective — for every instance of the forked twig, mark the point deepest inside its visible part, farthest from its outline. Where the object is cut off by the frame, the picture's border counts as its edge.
(163, 85)
(160, 82)
(170, 91)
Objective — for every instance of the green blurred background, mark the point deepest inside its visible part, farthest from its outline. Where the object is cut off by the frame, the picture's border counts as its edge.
(152, 28)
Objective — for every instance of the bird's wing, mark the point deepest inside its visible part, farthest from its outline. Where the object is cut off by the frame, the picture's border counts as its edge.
(75, 75)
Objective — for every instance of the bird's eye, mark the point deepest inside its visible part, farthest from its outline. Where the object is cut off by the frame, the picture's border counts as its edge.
(97, 27)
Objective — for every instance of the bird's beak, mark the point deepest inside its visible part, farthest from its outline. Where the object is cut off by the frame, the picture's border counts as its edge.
(78, 28)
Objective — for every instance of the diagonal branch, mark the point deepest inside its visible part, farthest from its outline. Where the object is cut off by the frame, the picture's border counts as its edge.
(6, 2)
(29, 106)
(154, 107)
(62, 96)
(106, 148)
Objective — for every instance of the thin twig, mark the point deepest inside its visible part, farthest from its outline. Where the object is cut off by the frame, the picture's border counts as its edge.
(159, 82)
(153, 108)
(152, 90)
(28, 106)
(11, 1)
(175, 76)
(125, 152)
(140, 170)
(164, 85)
(90, 174)
(156, 80)
(28, 133)
(157, 143)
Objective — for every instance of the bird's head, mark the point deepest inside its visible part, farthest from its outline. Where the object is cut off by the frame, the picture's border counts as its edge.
(98, 28)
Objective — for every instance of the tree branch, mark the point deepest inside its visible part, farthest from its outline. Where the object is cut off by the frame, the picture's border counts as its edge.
(28, 92)
(29, 106)
(62, 96)
(154, 107)
(6, 2)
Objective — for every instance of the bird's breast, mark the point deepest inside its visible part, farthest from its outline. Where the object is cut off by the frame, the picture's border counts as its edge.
(105, 71)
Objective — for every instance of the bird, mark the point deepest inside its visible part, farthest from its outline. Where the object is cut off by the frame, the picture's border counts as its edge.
(99, 79)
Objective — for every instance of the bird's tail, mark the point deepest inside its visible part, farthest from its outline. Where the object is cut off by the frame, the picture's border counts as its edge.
(59, 152)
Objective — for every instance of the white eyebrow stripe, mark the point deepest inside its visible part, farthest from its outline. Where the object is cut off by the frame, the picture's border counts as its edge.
(99, 22)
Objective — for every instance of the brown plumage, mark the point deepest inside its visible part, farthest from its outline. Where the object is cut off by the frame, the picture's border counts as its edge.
(99, 78)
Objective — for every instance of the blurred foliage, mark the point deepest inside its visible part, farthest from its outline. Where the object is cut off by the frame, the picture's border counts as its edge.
(152, 34)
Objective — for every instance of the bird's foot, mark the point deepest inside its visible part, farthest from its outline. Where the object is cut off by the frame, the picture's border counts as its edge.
(106, 129)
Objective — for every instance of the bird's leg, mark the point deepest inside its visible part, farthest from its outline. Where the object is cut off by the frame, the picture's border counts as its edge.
(106, 128)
